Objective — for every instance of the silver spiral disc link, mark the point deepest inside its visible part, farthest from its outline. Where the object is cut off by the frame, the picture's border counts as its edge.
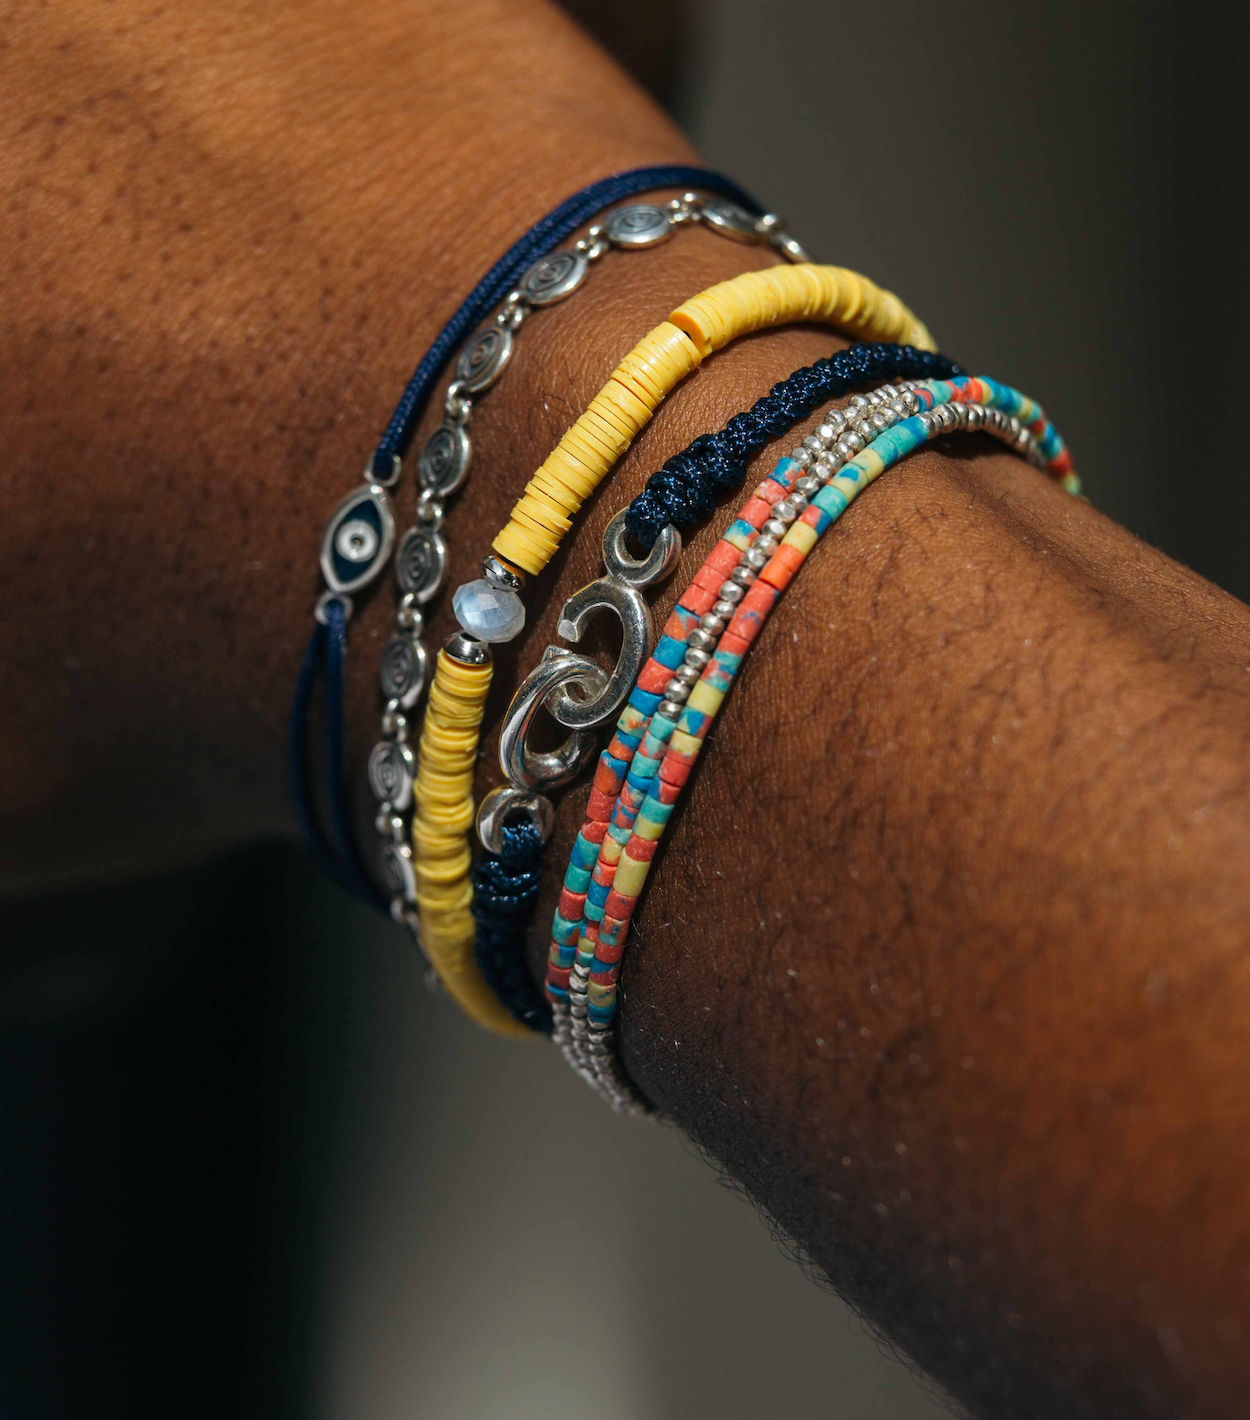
(392, 768)
(405, 663)
(508, 802)
(638, 225)
(443, 464)
(484, 358)
(554, 277)
(731, 221)
(398, 872)
(421, 563)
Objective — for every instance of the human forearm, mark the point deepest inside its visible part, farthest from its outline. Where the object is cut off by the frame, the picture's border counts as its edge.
(234, 250)
(947, 957)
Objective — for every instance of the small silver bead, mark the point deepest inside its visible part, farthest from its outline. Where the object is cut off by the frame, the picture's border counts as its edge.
(826, 433)
(712, 623)
(899, 406)
(686, 674)
(803, 457)
(731, 593)
(744, 576)
(784, 513)
(912, 400)
(856, 442)
(837, 422)
(774, 528)
(701, 641)
(724, 607)
(812, 442)
(407, 615)
(798, 501)
(676, 691)
(857, 402)
(499, 574)
(808, 485)
(845, 449)
(696, 658)
(765, 545)
(395, 723)
(754, 557)
(881, 421)
(865, 431)
(669, 709)
(460, 646)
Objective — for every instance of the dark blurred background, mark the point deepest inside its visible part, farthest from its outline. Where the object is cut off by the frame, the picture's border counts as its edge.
(249, 1166)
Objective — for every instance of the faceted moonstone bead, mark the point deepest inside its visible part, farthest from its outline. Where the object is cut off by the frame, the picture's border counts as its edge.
(487, 612)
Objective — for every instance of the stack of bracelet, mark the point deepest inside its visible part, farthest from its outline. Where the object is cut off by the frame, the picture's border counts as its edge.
(490, 610)
(670, 698)
(507, 874)
(361, 533)
(681, 688)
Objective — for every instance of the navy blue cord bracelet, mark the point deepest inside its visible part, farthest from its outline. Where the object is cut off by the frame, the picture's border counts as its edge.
(324, 659)
(683, 492)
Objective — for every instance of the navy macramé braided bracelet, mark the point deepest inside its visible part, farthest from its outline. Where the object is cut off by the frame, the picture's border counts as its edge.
(683, 492)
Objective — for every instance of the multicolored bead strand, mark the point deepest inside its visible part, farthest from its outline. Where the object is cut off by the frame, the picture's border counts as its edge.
(650, 762)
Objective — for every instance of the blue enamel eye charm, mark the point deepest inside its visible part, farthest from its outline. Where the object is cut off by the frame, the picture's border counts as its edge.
(358, 540)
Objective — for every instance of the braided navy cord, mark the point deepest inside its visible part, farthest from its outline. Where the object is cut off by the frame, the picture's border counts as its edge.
(685, 490)
(325, 652)
(505, 888)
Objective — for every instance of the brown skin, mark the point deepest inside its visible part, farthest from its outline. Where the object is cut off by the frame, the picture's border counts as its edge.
(946, 955)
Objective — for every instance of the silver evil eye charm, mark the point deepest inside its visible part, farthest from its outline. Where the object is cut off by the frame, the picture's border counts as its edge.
(420, 563)
(731, 221)
(484, 358)
(443, 464)
(638, 225)
(392, 767)
(404, 666)
(398, 872)
(358, 539)
(554, 277)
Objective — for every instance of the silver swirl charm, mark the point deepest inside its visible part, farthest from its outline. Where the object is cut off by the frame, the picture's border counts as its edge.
(443, 464)
(529, 769)
(638, 225)
(420, 563)
(392, 767)
(618, 593)
(405, 662)
(554, 277)
(484, 358)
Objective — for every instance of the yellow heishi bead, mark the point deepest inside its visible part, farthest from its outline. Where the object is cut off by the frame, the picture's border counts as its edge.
(441, 855)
